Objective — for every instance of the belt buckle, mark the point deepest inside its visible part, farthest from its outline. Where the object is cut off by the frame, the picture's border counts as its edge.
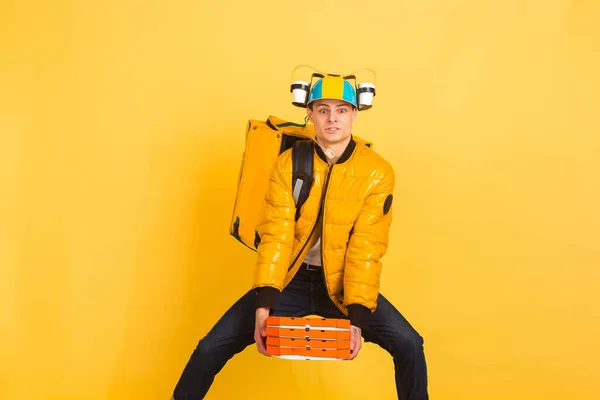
(316, 267)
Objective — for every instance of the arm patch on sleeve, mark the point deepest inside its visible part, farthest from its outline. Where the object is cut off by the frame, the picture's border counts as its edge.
(388, 204)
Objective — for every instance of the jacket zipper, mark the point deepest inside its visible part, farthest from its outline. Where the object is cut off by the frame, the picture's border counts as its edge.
(321, 210)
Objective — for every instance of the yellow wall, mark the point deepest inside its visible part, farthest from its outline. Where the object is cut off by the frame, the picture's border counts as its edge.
(121, 133)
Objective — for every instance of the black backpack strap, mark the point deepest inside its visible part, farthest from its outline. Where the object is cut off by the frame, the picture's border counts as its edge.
(302, 179)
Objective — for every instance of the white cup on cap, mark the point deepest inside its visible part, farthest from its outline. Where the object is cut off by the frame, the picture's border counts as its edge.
(366, 91)
(300, 93)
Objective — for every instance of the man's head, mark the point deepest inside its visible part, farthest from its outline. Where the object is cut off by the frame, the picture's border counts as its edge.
(331, 107)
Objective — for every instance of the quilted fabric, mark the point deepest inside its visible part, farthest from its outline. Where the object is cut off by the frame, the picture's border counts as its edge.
(354, 197)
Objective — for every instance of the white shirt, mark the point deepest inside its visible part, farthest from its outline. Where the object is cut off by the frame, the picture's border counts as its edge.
(314, 255)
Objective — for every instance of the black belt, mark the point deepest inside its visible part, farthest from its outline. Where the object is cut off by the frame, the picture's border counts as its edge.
(310, 267)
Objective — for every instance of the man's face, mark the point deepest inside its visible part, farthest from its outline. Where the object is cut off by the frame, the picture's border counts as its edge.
(332, 120)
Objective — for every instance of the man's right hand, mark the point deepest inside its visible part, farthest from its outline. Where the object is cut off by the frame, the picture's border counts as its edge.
(260, 329)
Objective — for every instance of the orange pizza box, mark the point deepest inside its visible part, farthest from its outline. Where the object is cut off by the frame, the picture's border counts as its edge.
(309, 343)
(295, 322)
(308, 354)
(308, 333)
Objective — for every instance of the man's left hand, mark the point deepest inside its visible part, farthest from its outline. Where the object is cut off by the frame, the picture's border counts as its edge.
(355, 341)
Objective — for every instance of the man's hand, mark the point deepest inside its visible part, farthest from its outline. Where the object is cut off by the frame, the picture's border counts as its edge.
(260, 329)
(355, 341)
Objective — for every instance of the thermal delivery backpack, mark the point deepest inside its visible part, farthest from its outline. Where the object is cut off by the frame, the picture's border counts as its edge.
(265, 141)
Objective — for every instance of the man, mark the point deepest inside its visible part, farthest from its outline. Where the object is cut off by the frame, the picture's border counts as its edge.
(328, 262)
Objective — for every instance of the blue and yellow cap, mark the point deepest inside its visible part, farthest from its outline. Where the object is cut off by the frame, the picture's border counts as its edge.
(333, 87)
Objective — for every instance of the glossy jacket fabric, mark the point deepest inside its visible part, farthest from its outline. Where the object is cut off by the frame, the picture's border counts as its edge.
(355, 198)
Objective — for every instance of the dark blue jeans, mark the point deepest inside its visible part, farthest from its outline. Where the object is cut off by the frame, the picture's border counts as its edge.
(306, 294)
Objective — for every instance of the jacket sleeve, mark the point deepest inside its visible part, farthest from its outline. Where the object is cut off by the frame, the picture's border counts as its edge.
(276, 231)
(367, 246)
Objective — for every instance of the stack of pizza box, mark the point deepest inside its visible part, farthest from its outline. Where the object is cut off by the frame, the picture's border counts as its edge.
(308, 338)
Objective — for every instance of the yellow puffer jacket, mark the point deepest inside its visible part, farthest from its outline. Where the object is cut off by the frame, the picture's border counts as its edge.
(356, 208)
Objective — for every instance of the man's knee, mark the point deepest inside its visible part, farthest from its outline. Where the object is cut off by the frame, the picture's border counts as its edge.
(408, 342)
(207, 350)
(204, 348)
(211, 353)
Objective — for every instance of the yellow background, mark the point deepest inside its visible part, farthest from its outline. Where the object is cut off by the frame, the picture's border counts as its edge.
(121, 133)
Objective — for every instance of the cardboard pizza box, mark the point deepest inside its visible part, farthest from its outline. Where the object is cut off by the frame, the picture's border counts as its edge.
(308, 334)
(295, 322)
(308, 354)
(309, 343)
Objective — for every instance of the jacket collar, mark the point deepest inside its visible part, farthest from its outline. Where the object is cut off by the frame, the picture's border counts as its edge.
(345, 155)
